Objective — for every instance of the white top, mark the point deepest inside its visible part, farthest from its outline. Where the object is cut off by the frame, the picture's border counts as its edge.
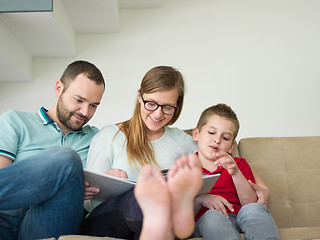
(108, 150)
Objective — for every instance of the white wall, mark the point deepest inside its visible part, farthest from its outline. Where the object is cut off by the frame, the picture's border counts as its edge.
(260, 57)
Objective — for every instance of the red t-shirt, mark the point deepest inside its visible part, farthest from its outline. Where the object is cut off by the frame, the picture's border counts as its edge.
(224, 186)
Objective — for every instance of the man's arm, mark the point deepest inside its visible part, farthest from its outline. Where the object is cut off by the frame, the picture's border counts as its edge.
(4, 161)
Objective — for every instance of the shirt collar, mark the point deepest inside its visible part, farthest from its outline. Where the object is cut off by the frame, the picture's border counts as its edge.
(46, 119)
(207, 172)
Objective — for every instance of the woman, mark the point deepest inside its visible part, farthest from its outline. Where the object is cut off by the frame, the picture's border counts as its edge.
(123, 149)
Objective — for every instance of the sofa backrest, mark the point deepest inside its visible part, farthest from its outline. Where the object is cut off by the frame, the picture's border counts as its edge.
(290, 166)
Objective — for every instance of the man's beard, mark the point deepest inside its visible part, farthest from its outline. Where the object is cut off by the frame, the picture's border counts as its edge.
(64, 117)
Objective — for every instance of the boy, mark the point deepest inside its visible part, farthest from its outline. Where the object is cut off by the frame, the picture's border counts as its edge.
(219, 213)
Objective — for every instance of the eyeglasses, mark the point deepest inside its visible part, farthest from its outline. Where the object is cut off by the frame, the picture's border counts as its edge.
(152, 106)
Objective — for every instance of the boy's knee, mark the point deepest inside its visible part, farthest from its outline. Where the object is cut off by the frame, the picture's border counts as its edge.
(255, 220)
(252, 208)
(215, 216)
(253, 212)
(214, 224)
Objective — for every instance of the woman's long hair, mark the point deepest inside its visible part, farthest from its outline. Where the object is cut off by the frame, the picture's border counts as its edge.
(139, 148)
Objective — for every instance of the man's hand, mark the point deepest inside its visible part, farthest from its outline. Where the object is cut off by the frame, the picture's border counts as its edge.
(89, 192)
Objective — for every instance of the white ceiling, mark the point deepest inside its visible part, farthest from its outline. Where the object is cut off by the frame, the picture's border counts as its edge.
(52, 34)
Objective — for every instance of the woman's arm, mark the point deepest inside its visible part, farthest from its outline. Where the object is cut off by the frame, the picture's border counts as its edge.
(261, 189)
(99, 156)
(97, 160)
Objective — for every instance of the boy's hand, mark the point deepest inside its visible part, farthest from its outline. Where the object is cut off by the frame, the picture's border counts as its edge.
(227, 162)
(89, 192)
(216, 202)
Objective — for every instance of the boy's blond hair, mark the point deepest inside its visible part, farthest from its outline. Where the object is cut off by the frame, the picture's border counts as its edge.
(221, 110)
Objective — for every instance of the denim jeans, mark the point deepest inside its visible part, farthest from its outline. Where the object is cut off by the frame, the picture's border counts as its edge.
(118, 217)
(215, 225)
(254, 220)
(42, 196)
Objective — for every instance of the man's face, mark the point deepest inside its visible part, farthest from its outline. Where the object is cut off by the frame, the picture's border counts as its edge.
(78, 103)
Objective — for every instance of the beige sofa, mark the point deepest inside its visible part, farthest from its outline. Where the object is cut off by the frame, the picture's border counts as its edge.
(290, 166)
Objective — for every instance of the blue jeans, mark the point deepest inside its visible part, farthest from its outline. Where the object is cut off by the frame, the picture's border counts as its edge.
(42, 196)
(119, 217)
(254, 220)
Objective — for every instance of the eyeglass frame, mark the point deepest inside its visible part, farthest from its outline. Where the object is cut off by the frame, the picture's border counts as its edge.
(158, 105)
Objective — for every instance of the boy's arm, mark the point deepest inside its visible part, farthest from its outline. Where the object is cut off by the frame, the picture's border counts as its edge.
(236, 169)
(261, 189)
(212, 201)
(245, 191)
(197, 205)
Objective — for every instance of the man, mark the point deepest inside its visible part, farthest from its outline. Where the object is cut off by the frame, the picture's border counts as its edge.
(41, 177)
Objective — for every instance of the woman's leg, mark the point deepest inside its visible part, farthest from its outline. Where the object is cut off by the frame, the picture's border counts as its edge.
(118, 217)
(154, 198)
(184, 183)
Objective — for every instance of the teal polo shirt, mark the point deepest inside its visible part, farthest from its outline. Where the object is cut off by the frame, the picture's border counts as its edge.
(23, 134)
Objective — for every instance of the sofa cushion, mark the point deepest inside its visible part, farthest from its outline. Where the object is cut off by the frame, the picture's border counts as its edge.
(290, 166)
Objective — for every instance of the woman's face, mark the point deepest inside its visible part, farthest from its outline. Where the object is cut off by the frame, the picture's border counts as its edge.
(156, 120)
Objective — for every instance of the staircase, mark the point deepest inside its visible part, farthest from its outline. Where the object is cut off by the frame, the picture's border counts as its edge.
(28, 35)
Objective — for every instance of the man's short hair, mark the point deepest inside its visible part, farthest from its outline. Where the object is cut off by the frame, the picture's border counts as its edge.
(81, 67)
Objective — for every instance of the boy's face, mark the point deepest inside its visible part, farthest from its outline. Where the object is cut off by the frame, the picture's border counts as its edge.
(216, 136)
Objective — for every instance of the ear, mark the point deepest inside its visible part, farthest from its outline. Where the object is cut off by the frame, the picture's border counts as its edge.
(59, 88)
(139, 96)
(195, 134)
(232, 146)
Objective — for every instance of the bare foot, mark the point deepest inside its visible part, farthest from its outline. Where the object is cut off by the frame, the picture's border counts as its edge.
(184, 182)
(154, 200)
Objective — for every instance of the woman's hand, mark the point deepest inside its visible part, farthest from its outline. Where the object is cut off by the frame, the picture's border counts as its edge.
(262, 191)
(89, 192)
(216, 202)
(117, 173)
